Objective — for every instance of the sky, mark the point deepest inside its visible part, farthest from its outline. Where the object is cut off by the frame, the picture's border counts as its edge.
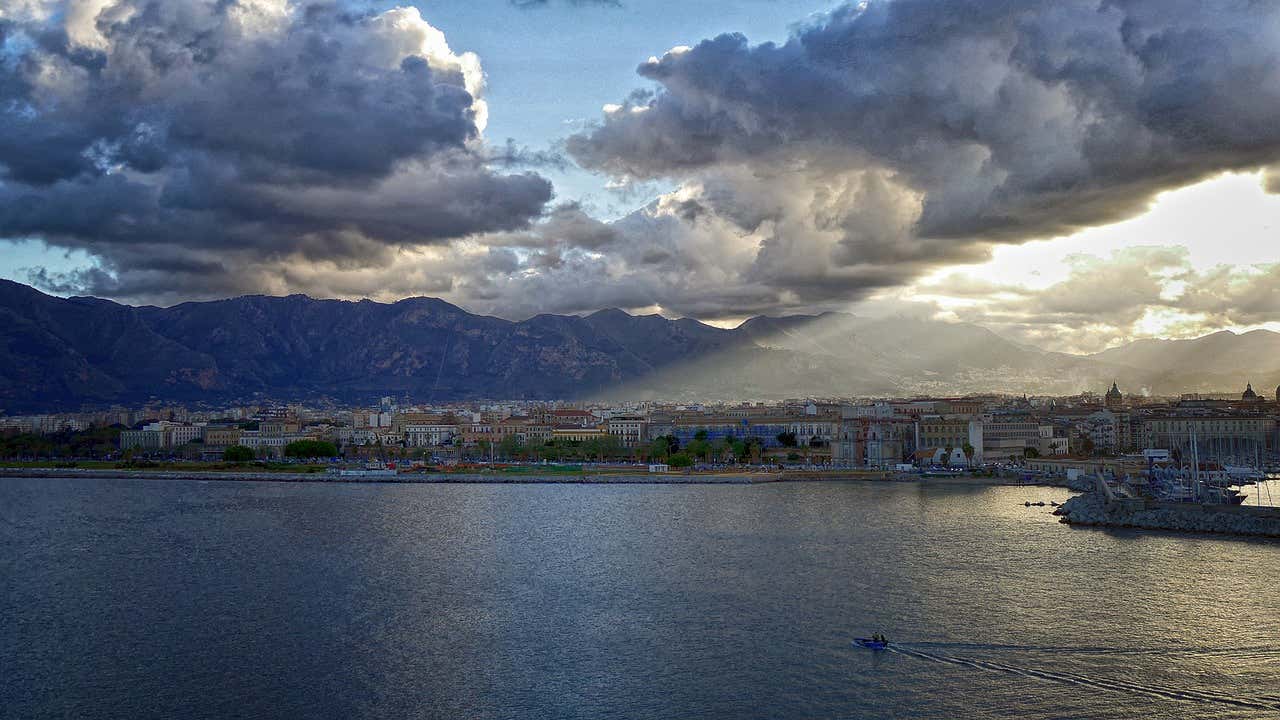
(1072, 176)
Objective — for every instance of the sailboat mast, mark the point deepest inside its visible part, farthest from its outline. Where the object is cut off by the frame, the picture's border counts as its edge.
(1195, 466)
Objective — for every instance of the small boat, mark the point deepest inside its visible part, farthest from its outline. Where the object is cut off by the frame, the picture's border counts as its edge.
(871, 643)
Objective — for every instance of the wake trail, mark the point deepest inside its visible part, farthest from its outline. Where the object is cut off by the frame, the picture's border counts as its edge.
(1248, 651)
(1122, 686)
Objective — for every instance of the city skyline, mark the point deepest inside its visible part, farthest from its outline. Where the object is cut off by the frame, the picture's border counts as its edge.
(888, 158)
(389, 359)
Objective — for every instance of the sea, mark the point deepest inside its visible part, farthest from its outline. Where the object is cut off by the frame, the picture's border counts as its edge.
(220, 599)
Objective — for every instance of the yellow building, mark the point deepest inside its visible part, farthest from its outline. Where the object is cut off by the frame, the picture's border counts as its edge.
(577, 434)
(222, 436)
(943, 432)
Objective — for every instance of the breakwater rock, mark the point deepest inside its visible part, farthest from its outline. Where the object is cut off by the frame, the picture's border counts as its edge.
(1094, 509)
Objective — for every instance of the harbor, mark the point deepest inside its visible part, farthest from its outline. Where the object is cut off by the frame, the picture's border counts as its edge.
(1095, 509)
(1176, 499)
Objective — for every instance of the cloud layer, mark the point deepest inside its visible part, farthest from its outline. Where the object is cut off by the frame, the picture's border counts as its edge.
(889, 138)
(198, 148)
(186, 142)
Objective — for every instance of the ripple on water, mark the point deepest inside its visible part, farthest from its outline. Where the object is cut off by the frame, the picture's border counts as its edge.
(163, 599)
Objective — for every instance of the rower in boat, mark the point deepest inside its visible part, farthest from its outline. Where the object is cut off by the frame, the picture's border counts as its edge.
(875, 642)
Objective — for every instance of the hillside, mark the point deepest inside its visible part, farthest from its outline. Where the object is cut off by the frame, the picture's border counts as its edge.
(64, 352)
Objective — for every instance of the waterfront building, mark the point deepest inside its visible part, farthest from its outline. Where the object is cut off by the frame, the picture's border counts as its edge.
(574, 433)
(765, 429)
(527, 430)
(222, 436)
(631, 430)
(1114, 466)
(183, 434)
(159, 435)
(537, 433)
(888, 442)
(850, 445)
(478, 432)
(429, 434)
(814, 430)
(1008, 438)
(1226, 436)
(271, 445)
(872, 442)
(660, 425)
(942, 431)
(145, 440)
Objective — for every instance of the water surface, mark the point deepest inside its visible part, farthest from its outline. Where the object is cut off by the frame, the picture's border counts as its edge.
(158, 599)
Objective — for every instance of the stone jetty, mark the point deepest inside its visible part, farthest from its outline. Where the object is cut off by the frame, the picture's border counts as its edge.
(1096, 509)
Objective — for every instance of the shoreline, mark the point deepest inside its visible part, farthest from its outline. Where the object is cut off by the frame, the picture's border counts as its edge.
(399, 479)
(743, 478)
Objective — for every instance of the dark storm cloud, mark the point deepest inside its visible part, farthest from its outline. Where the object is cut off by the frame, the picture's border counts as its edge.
(894, 137)
(184, 128)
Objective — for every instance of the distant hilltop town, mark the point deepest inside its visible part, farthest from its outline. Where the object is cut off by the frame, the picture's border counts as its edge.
(873, 433)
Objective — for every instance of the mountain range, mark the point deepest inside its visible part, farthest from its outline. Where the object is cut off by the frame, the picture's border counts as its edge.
(66, 352)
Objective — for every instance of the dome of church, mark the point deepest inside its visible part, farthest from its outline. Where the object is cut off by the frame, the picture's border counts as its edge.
(1113, 396)
(1249, 394)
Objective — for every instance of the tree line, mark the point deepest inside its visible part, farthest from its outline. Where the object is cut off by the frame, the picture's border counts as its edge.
(96, 442)
(665, 449)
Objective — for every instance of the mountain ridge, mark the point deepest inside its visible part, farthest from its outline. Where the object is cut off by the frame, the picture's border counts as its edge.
(64, 352)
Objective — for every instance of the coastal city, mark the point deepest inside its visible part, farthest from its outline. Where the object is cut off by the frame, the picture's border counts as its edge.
(644, 359)
(1184, 463)
(1044, 434)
